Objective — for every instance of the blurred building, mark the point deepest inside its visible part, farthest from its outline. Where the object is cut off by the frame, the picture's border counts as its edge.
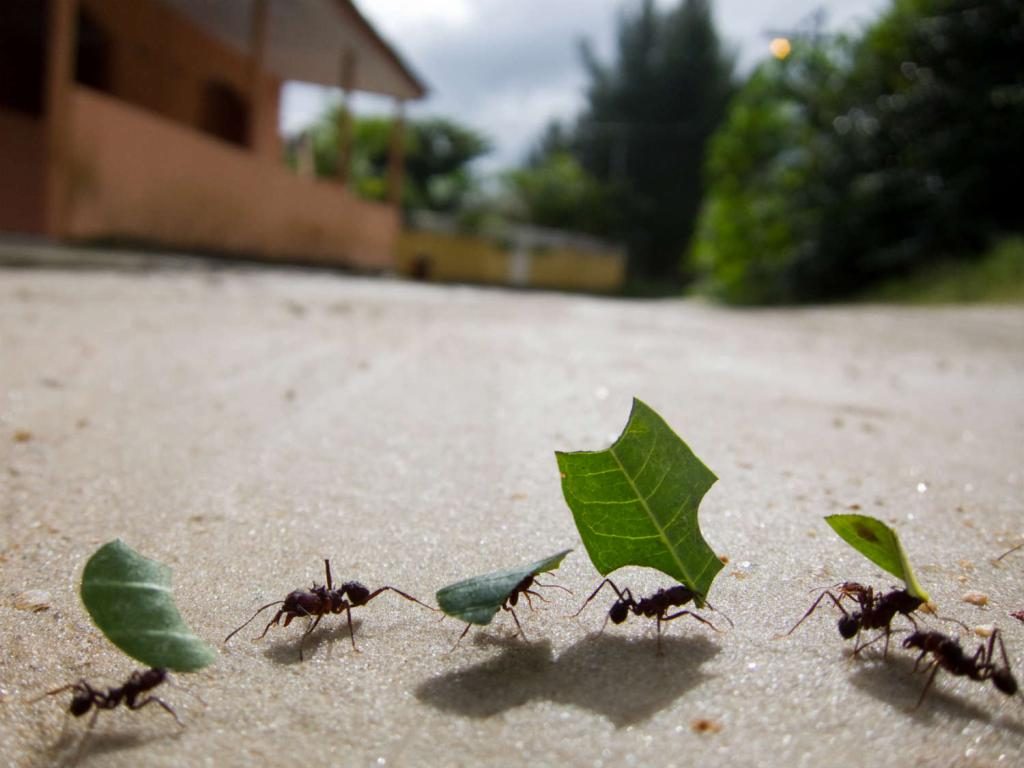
(156, 121)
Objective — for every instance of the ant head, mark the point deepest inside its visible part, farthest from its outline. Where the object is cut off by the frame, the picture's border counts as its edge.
(849, 625)
(619, 611)
(80, 704)
(356, 592)
(1004, 680)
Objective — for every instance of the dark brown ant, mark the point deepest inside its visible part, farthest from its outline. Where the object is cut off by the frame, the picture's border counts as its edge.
(875, 611)
(319, 601)
(85, 697)
(656, 606)
(947, 654)
(522, 588)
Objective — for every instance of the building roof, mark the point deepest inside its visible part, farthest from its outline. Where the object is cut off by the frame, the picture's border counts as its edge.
(310, 41)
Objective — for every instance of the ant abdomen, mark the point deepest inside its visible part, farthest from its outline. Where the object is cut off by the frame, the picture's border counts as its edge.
(1004, 680)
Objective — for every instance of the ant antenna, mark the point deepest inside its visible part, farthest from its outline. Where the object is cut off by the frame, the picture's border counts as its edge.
(261, 610)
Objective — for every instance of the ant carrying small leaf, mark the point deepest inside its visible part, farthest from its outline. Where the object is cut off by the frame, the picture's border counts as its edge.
(319, 601)
(949, 655)
(875, 611)
(656, 606)
(86, 697)
(512, 600)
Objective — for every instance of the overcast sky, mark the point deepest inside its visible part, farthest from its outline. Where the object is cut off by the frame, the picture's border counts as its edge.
(506, 67)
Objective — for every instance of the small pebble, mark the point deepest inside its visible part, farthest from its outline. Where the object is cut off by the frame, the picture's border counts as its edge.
(34, 600)
(703, 725)
(985, 630)
(22, 436)
(975, 598)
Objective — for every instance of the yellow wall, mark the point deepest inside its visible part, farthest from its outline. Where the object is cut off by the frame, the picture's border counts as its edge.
(473, 259)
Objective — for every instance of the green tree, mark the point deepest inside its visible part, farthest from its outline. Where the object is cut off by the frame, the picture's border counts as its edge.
(861, 160)
(556, 192)
(438, 153)
(648, 117)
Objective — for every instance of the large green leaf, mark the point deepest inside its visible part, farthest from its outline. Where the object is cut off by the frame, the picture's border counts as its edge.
(879, 544)
(636, 502)
(477, 599)
(129, 599)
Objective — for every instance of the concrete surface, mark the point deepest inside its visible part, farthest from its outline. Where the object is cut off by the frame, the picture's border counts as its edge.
(243, 426)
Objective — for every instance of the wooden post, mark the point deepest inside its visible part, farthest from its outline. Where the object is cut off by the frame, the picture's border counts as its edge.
(347, 79)
(396, 155)
(60, 58)
(257, 56)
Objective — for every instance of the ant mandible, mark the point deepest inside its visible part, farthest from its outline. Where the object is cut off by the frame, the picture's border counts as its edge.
(947, 654)
(319, 601)
(656, 606)
(522, 588)
(85, 697)
(876, 611)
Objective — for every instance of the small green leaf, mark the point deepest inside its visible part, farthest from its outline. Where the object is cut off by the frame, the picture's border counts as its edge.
(129, 599)
(477, 599)
(879, 544)
(636, 502)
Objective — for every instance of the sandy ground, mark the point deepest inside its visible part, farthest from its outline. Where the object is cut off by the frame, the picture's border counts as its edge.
(242, 426)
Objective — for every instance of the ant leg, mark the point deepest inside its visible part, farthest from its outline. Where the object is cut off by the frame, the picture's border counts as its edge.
(351, 630)
(327, 570)
(516, 620)
(812, 609)
(676, 615)
(600, 586)
(660, 653)
(724, 616)
(397, 592)
(931, 678)
(261, 610)
(55, 691)
(464, 632)
(307, 633)
(162, 703)
(527, 592)
(553, 586)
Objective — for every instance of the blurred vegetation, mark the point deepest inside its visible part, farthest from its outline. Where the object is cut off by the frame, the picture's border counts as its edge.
(438, 152)
(639, 142)
(857, 161)
(998, 276)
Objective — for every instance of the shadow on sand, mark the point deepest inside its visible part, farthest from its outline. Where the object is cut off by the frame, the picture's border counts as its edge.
(286, 650)
(893, 682)
(622, 680)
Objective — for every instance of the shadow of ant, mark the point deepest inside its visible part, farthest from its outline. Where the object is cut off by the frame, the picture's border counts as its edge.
(894, 682)
(622, 680)
(283, 651)
(72, 748)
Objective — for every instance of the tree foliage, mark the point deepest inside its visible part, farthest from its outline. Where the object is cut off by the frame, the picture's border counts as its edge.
(648, 116)
(853, 161)
(438, 152)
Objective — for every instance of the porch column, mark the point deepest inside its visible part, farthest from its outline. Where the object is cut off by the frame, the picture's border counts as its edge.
(257, 89)
(396, 155)
(347, 81)
(62, 17)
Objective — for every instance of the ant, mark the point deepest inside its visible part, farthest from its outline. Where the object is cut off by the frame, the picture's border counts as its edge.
(85, 697)
(876, 611)
(657, 605)
(512, 600)
(947, 653)
(320, 601)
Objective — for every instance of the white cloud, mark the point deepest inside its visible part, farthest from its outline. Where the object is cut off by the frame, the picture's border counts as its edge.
(505, 68)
